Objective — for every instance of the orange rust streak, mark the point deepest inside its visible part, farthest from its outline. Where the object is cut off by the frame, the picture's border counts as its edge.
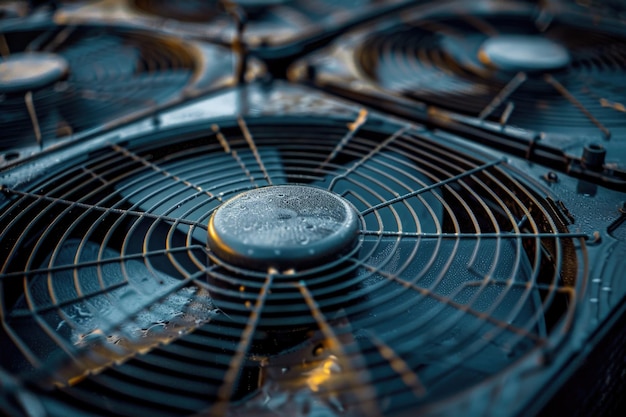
(30, 105)
(4, 47)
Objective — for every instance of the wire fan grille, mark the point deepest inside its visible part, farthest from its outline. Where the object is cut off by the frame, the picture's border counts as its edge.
(461, 271)
(113, 72)
(437, 60)
(273, 27)
(194, 11)
(198, 10)
(614, 9)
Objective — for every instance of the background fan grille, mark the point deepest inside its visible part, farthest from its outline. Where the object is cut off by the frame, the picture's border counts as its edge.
(436, 60)
(113, 72)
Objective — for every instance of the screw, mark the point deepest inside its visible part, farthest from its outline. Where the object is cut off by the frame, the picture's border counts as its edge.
(551, 177)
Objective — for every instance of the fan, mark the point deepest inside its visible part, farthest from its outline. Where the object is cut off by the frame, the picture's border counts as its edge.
(508, 67)
(502, 67)
(202, 11)
(273, 28)
(61, 81)
(282, 266)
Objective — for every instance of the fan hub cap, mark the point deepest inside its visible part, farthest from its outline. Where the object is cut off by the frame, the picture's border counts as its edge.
(283, 227)
(528, 53)
(28, 71)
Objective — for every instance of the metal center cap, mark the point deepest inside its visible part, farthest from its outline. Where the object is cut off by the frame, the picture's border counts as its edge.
(285, 226)
(27, 71)
(523, 53)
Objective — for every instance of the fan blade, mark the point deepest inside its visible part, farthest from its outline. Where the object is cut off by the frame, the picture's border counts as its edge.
(94, 54)
(313, 376)
(94, 295)
(85, 105)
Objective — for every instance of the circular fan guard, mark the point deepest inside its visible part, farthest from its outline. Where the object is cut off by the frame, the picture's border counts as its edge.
(188, 11)
(599, 9)
(112, 72)
(462, 270)
(200, 10)
(441, 60)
